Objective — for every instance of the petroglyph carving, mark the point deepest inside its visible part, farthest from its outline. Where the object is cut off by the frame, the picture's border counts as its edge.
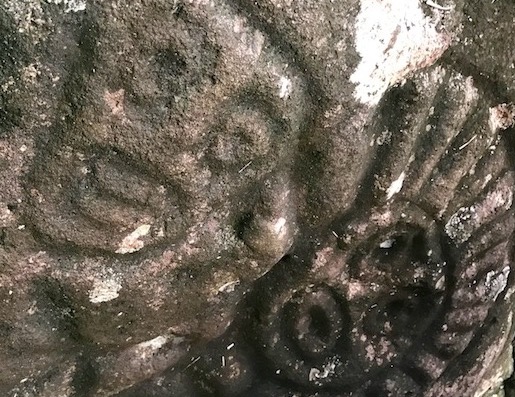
(239, 198)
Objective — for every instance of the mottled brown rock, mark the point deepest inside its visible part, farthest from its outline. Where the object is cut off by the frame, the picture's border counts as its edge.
(272, 198)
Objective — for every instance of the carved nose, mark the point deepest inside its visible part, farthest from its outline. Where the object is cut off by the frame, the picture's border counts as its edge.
(270, 227)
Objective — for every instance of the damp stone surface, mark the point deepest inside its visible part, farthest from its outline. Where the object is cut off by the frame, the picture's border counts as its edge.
(268, 198)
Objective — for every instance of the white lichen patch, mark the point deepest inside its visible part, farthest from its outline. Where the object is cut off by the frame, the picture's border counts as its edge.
(32, 17)
(6, 216)
(279, 225)
(70, 5)
(153, 344)
(140, 361)
(487, 179)
(328, 265)
(380, 351)
(387, 243)
(225, 237)
(470, 90)
(466, 220)
(456, 228)
(251, 40)
(28, 16)
(132, 242)
(500, 198)
(355, 289)
(104, 290)
(384, 137)
(393, 38)
(30, 73)
(7, 84)
(222, 282)
(144, 353)
(396, 186)
(285, 86)
(496, 282)
(229, 286)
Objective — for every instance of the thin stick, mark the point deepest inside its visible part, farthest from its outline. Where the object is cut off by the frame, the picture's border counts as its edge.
(431, 3)
(193, 362)
(467, 143)
(245, 167)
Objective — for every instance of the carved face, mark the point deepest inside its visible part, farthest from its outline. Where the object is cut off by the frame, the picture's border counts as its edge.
(177, 122)
(173, 165)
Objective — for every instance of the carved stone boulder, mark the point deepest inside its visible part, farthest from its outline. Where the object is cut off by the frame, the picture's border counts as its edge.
(272, 198)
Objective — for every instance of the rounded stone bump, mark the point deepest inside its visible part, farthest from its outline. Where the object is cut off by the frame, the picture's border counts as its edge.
(271, 228)
(270, 237)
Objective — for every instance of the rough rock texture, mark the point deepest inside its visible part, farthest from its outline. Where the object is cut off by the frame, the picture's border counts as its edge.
(271, 198)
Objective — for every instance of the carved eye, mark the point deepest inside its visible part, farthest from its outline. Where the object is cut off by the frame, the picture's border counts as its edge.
(396, 255)
(171, 62)
(249, 131)
(184, 64)
(396, 287)
(172, 69)
(244, 136)
(304, 334)
(109, 178)
(402, 251)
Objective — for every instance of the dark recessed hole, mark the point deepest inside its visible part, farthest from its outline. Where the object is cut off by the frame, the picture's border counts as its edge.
(171, 61)
(242, 223)
(319, 323)
(86, 377)
(5, 329)
(419, 247)
(402, 248)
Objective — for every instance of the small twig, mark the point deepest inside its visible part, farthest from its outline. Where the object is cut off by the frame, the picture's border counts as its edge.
(245, 167)
(193, 362)
(467, 143)
(431, 3)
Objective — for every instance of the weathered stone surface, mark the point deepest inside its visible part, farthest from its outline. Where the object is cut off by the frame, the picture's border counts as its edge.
(271, 198)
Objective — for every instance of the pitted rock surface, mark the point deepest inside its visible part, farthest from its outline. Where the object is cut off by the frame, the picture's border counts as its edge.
(273, 198)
